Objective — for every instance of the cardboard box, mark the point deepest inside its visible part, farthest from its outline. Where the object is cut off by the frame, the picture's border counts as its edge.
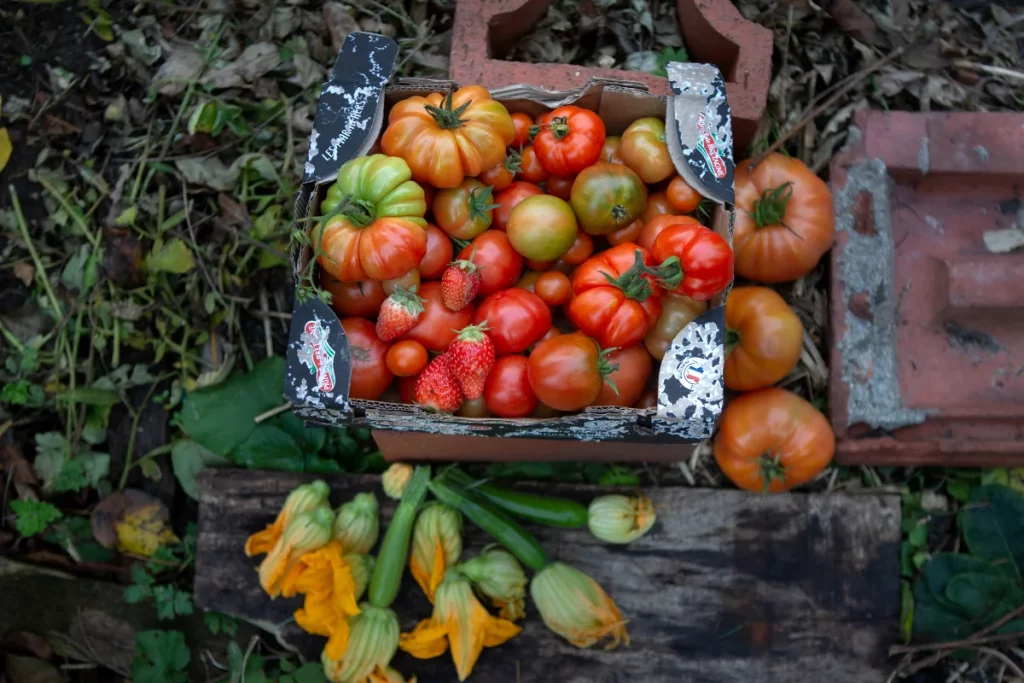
(350, 117)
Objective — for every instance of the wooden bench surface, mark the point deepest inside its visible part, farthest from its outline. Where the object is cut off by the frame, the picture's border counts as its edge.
(727, 587)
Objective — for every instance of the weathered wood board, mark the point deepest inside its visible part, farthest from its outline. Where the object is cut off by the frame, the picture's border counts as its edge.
(727, 587)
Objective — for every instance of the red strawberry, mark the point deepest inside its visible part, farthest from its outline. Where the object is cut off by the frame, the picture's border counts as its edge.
(398, 314)
(436, 388)
(460, 284)
(472, 357)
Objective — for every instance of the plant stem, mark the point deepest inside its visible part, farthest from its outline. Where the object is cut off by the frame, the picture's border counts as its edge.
(131, 439)
(40, 270)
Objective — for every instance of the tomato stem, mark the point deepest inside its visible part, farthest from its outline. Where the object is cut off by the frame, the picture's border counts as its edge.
(361, 213)
(771, 469)
(633, 283)
(606, 368)
(445, 116)
(732, 339)
(669, 273)
(480, 203)
(513, 161)
(533, 131)
(770, 209)
(559, 126)
(619, 212)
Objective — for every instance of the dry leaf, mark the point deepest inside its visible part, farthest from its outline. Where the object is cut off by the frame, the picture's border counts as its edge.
(18, 470)
(339, 22)
(132, 521)
(854, 21)
(180, 67)
(26, 272)
(255, 60)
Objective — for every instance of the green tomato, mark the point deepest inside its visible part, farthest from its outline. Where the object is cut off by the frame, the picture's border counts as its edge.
(607, 197)
(542, 227)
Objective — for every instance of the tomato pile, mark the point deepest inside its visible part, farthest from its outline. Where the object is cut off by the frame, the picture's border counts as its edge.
(513, 266)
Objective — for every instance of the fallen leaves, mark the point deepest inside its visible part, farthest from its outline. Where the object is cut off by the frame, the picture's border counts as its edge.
(133, 522)
(255, 60)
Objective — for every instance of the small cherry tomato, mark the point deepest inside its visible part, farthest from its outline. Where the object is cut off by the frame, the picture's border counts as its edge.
(523, 122)
(651, 230)
(677, 312)
(507, 391)
(703, 257)
(530, 169)
(570, 140)
(439, 254)
(560, 187)
(643, 149)
(360, 299)
(630, 233)
(528, 281)
(502, 174)
(647, 400)
(553, 288)
(438, 326)
(763, 338)
(515, 319)
(474, 407)
(542, 228)
(500, 265)
(368, 357)
(610, 150)
(657, 205)
(464, 211)
(567, 371)
(630, 377)
(580, 250)
(606, 197)
(539, 266)
(410, 281)
(407, 358)
(407, 389)
(681, 196)
(509, 198)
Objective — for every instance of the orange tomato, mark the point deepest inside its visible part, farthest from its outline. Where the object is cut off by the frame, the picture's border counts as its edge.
(407, 358)
(501, 174)
(763, 338)
(643, 149)
(410, 281)
(610, 150)
(580, 250)
(465, 211)
(438, 256)
(677, 311)
(530, 169)
(553, 288)
(784, 220)
(650, 231)
(522, 123)
(772, 440)
(629, 233)
(630, 378)
(681, 196)
(657, 205)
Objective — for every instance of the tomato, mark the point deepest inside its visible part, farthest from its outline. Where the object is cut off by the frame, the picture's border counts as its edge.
(507, 390)
(570, 140)
(410, 281)
(606, 197)
(500, 264)
(784, 219)
(509, 198)
(657, 205)
(370, 374)
(553, 288)
(630, 233)
(407, 389)
(539, 266)
(473, 407)
(407, 358)
(528, 280)
(643, 149)
(530, 169)
(379, 234)
(515, 318)
(567, 371)
(361, 299)
(560, 187)
(772, 440)
(651, 230)
(438, 256)
(522, 122)
(580, 250)
(438, 326)
(465, 211)
(633, 369)
(445, 139)
(676, 313)
(610, 150)
(501, 174)
(681, 196)
(429, 192)
(703, 255)
(553, 332)
(647, 400)
(542, 228)
(763, 338)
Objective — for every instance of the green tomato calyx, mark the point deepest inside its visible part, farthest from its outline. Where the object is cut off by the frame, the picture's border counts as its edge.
(770, 209)
(445, 116)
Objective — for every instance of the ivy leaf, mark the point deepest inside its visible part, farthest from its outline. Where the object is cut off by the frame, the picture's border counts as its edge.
(33, 516)
(160, 657)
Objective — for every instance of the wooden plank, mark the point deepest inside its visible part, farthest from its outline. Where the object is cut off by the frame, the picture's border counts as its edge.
(728, 586)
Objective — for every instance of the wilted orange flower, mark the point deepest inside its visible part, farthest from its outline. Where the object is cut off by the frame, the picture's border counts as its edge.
(308, 531)
(305, 498)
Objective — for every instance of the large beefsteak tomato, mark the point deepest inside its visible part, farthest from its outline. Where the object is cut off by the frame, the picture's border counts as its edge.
(567, 371)
(703, 255)
(763, 338)
(570, 139)
(515, 318)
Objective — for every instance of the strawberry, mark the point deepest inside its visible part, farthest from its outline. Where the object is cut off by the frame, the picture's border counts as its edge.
(437, 389)
(460, 284)
(398, 314)
(472, 357)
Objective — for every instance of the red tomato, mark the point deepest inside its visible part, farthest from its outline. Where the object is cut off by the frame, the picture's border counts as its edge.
(508, 198)
(500, 264)
(567, 371)
(361, 299)
(410, 282)
(507, 390)
(553, 288)
(438, 326)
(407, 358)
(630, 377)
(560, 187)
(553, 332)
(370, 374)
(610, 150)
(704, 257)
(647, 400)
(570, 140)
(528, 280)
(580, 250)
(500, 175)
(464, 211)
(651, 230)
(630, 233)
(473, 407)
(407, 389)
(657, 205)
(539, 266)
(681, 196)
(530, 169)
(515, 318)
(523, 122)
(439, 254)
(542, 228)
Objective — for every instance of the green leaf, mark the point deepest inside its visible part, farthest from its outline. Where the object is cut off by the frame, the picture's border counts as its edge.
(959, 489)
(135, 594)
(983, 598)
(993, 527)
(188, 459)
(160, 657)
(171, 602)
(906, 611)
(312, 672)
(918, 536)
(309, 439)
(79, 273)
(33, 516)
(618, 476)
(173, 256)
(269, 447)
(219, 622)
(669, 54)
(141, 577)
(151, 469)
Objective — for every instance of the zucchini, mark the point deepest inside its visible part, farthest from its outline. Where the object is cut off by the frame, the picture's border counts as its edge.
(550, 511)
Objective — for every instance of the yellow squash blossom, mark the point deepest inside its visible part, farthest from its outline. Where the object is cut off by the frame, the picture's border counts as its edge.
(358, 523)
(620, 519)
(372, 642)
(388, 675)
(436, 545)
(325, 577)
(361, 567)
(575, 607)
(307, 532)
(395, 479)
(305, 498)
(459, 622)
(497, 574)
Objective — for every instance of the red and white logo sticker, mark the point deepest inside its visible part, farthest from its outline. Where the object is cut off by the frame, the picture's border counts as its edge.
(709, 149)
(318, 355)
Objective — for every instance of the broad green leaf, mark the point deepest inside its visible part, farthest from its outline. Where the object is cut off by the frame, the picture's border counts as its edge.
(959, 489)
(983, 598)
(173, 256)
(993, 526)
(309, 439)
(313, 672)
(269, 447)
(188, 459)
(151, 469)
(160, 657)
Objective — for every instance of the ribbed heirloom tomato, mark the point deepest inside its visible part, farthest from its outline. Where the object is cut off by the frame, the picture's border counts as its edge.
(368, 356)
(643, 149)
(703, 255)
(570, 140)
(516, 319)
(438, 326)
(500, 265)
(567, 371)
(763, 338)
(607, 197)
(464, 211)
(507, 391)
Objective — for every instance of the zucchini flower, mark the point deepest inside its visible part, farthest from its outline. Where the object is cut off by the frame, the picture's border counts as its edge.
(436, 545)
(372, 642)
(326, 579)
(361, 567)
(497, 574)
(305, 498)
(395, 479)
(575, 607)
(620, 519)
(358, 524)
(459, 622)
(307, 532)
